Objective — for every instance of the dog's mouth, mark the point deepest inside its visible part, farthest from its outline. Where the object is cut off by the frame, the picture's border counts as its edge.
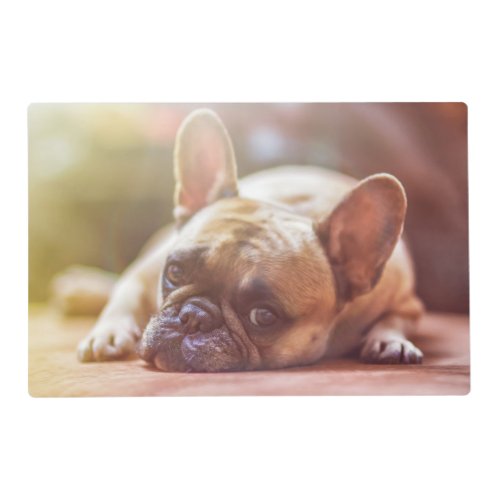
(173, 344)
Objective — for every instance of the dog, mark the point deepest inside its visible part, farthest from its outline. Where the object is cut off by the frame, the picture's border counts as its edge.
(286, 267)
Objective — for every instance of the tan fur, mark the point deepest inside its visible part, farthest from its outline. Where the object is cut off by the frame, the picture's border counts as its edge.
(273, 229)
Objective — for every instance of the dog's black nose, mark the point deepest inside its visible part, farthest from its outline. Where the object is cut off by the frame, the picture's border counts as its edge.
(200, 315)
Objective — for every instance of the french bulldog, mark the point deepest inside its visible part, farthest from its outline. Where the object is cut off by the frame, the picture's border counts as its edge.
(286, 267)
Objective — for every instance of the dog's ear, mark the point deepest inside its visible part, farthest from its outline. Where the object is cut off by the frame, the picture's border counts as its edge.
(204, 163)
(361, 233)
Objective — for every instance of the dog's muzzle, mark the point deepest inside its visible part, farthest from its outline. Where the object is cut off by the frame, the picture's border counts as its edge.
(191, 336)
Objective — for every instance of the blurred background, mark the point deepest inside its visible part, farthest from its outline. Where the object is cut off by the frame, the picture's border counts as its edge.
(101, 180)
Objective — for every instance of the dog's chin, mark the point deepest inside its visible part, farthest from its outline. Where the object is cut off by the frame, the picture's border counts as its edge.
(166, 347)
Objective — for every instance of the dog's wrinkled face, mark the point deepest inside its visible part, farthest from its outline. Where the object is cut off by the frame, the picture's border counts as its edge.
(251, 285)
(240, 287)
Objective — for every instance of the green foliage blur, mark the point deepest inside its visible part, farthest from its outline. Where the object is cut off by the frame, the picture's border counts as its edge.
(100, 182)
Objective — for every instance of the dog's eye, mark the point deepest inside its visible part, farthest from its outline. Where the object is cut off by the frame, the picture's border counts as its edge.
(262, 317)
(175, 274)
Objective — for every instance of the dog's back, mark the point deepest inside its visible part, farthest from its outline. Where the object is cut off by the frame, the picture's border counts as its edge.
(309, 190)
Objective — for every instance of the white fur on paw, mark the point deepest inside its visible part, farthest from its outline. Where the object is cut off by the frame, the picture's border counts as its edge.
(110, 339)
(392, 351)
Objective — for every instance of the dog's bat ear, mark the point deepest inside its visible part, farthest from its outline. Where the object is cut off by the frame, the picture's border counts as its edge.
(361, 232)
(204, 163)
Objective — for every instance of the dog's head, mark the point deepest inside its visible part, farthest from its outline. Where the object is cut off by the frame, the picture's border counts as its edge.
(248, 284)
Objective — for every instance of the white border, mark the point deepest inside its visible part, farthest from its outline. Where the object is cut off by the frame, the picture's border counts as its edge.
(411, 447)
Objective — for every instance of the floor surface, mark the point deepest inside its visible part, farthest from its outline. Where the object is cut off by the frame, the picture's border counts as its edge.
(55, 371)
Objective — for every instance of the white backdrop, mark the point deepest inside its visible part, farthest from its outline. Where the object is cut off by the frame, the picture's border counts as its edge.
(411, 447)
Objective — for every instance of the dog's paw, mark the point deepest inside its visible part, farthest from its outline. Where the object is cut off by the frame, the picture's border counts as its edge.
(110, 339)
(390, 351)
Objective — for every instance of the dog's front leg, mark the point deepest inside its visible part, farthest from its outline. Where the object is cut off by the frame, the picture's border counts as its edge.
(130, 306)
(386, 342)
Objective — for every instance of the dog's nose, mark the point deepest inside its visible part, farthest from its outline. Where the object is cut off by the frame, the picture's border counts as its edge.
(200, 315)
